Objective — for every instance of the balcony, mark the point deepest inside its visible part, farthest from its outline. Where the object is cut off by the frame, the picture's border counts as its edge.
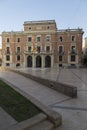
(28, 52)
(7, 52)
(61, 53)
(73, 52)
(38, 52)
(18, 52)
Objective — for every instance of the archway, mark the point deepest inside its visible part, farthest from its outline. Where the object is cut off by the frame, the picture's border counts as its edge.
(29, 61)
(38, 61)
(47, 61)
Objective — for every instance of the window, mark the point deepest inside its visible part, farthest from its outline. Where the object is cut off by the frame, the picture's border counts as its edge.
(60, 49)
(47, 48)
(8, 50)
(18, 64)
(18, 40)
(73, 58)
(29, 28)
(73, 49)
(7, 58)
(48, 27)
(73, 38)
(60, 58)
(61, 39)
(7, 39)
(7, 64)
(38, 39)
(48, 38)
(18, 58)
(29, 48)
(18, 49)
(38, 49)
(29, 39)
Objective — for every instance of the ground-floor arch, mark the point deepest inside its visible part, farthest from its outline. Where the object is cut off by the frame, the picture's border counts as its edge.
(38, 61)
(29, 61)
(47, 61)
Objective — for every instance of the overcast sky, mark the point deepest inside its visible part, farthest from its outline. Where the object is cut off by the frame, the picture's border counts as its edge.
(67, 13)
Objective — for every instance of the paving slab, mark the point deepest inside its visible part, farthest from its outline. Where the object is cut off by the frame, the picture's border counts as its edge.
(5, 119)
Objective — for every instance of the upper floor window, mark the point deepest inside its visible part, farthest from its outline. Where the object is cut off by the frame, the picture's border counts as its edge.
(18, 49)
(18, 39)
(73, 49)
(38, 49)
(18, 57)
(7, 58)
(73, 58)
(8, 50)
(60, 49)
(60, 38)
(48, 38)
(47, 48)
(29, 39)
(38, 39)
(29, 28)
(60, 58)
(29, 48)
(48, 27)
(8, 40)
(73, 38)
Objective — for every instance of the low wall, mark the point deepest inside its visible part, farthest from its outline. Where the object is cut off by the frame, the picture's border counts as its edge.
(68, 90)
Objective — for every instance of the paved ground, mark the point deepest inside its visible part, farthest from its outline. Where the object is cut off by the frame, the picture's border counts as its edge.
(74, 111)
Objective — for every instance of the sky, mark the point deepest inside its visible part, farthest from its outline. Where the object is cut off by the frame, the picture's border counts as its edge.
(67, 13)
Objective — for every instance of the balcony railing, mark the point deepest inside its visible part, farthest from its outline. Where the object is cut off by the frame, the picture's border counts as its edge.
(38, 52)
(18, 52)
(61, 53)
(7, 52)
(73, 52)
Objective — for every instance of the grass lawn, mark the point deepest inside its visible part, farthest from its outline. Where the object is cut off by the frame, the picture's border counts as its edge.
(15, 104)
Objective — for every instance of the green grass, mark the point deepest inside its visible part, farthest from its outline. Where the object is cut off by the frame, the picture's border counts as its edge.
(15, 104)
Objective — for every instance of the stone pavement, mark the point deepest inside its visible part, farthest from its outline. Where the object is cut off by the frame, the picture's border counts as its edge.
(73, 111)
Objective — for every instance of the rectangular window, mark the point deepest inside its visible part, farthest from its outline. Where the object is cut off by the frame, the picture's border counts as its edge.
(7, 58)
(7, 64)
(60, 38)
(8, 50)
(73, 58)
(73, 38)
(48, 38)
(60, 49)
(47, 48)
(60, 58)
(29, 39)
(7, 39)
(18, 57)
(38, 49)
(38, 39)
(29, 48)
(73, 49)
(18, 40)
(18, 49)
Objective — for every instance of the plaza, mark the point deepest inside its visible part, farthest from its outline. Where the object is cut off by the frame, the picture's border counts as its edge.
(73, 110)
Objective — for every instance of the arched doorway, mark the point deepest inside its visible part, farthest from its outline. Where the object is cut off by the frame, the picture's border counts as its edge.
(47, 61)
(29, 61)
(38, 61)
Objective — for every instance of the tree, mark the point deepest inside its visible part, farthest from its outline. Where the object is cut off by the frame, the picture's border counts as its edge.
(85, 60)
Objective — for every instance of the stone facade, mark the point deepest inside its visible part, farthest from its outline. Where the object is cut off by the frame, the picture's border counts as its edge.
(41, 44)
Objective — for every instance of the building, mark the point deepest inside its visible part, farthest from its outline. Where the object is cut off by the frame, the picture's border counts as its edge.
(41, 44)
(85, 46)
(0, 56)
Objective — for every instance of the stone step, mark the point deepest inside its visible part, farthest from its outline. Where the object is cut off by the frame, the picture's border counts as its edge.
(45, 125)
